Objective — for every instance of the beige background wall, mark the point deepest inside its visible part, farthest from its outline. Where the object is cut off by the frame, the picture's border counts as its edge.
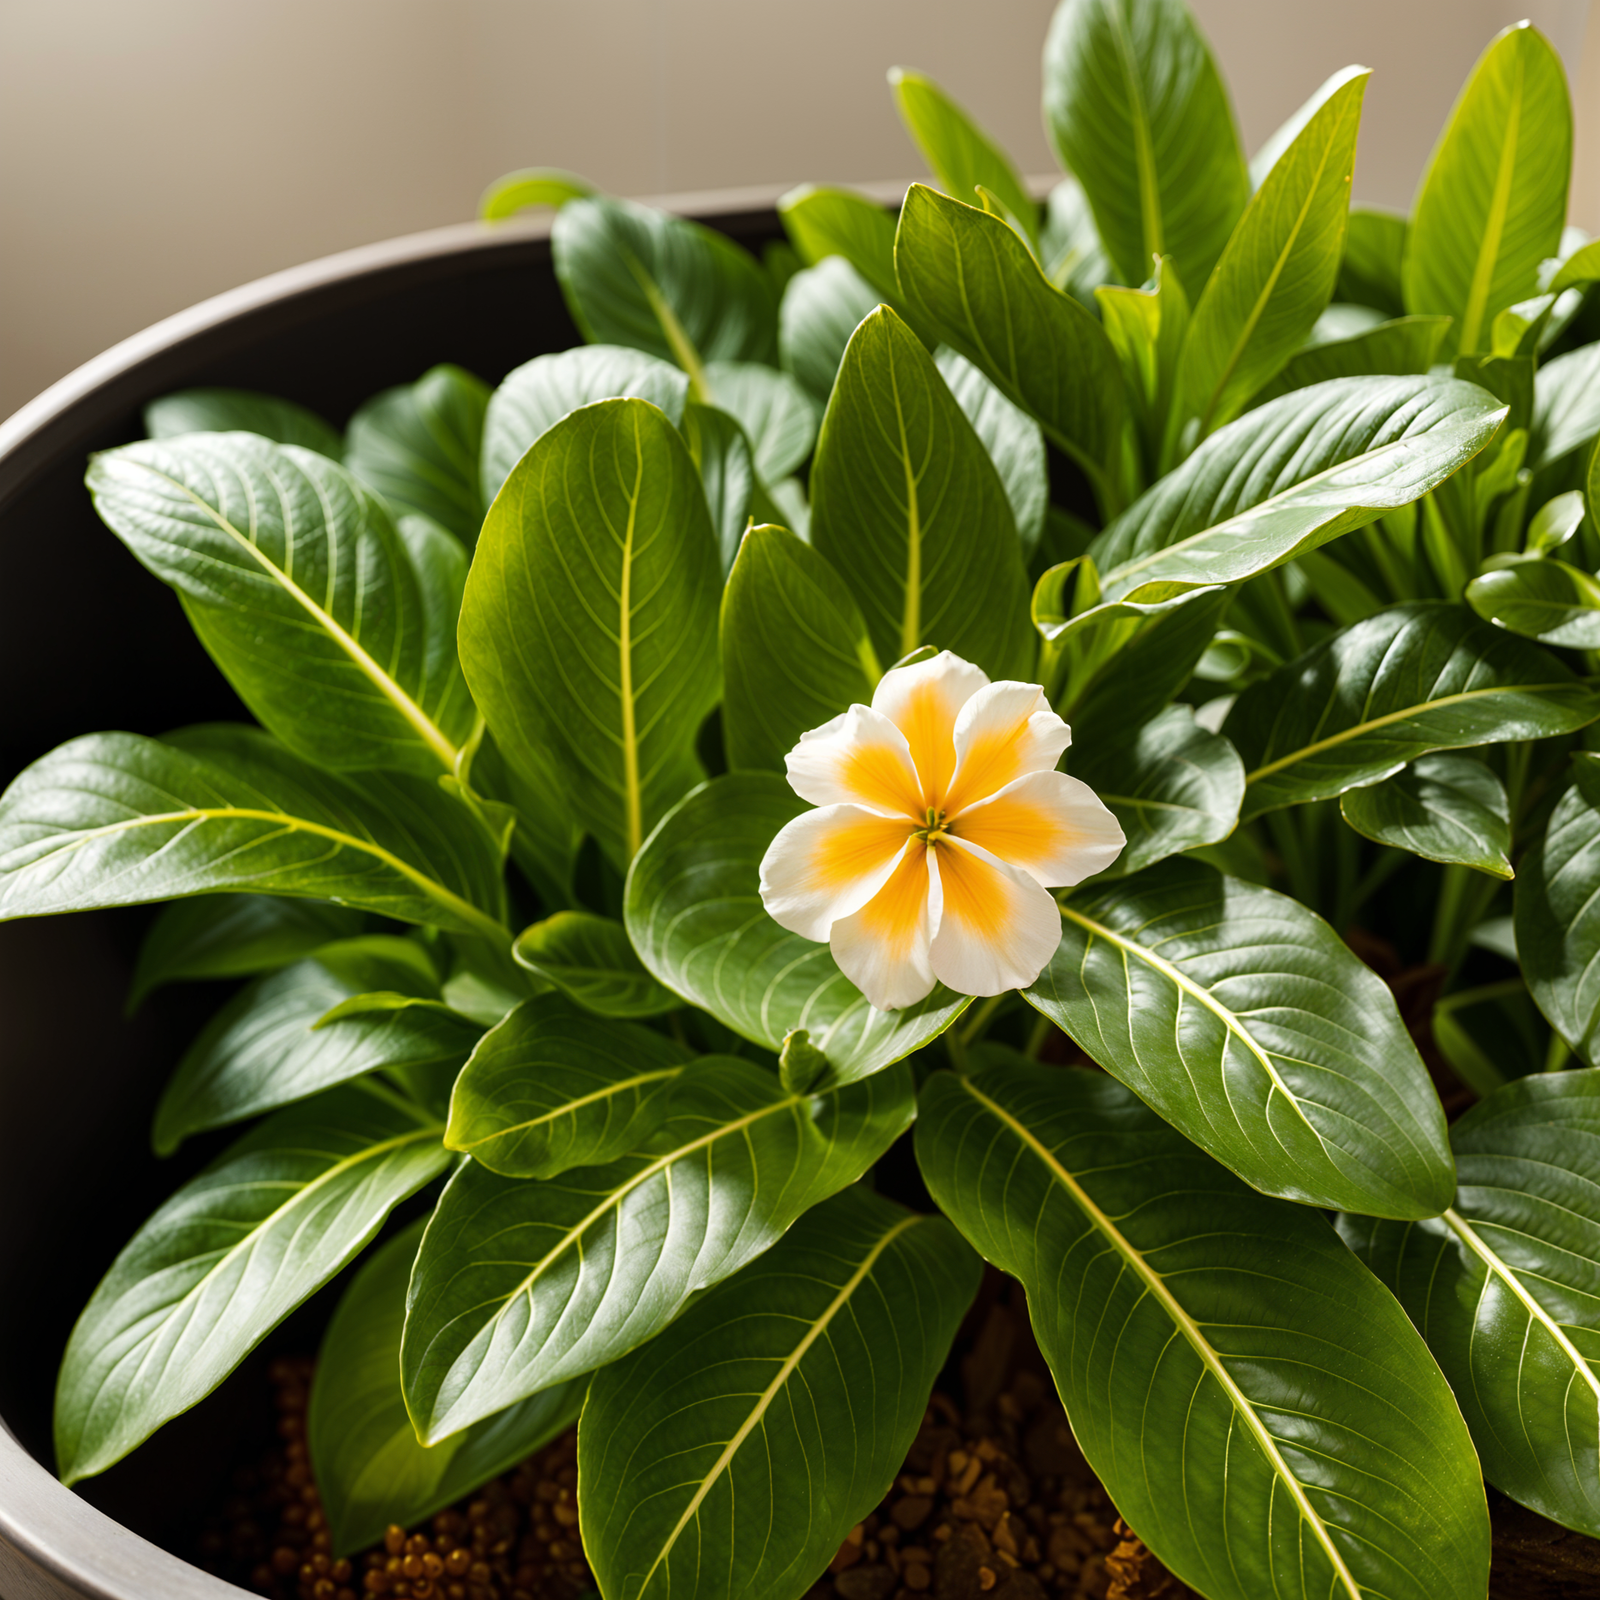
(153, 152)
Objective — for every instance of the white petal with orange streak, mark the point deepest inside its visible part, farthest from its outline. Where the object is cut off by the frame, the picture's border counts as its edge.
(1055, 828)
(1004, 732)
(997, 927)
(883, 948)
(859, 758)
(923, 701)
(826, 864)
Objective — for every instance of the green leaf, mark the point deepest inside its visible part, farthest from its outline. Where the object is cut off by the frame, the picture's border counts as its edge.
(282, 1038)
(727, 468)
(417, 445)
(113, 819)
(1540, 599)
(732, 1454)
(545, 841)
(1445, 807)
(1492, 1034)
(520, 1285)
(1013, 439)
(662, 284)
(336, 627)
(1171, 784)
(1256, 1405)
(241, 411)
(369, 1468)
(1557, 913)
(957, 151)
(823, 222)
(1405, 346)
(233, 936)
(1554, 523)
(783, 598)
(822, 306)
(552, 1087)
(1566, 405)
(588, 631)
(1140, 116)
(1360, 705)
(1070, 250)
(1578, 270)
(227, 1258)
(1494, 198)
(968, 275)
(909, 510)
(1243, 1019)
(590, 960)
(1147, 327)
(778, 417)
(539, 393)
(1505, 1287)
(694, 913)
(1278, 269)
(1369, 275)
(531, 186)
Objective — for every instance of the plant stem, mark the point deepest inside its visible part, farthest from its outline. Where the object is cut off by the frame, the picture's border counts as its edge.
(1464, 896)
(956, 1047)
(981, 1018)
(1043, 1027)
(1557, 1053)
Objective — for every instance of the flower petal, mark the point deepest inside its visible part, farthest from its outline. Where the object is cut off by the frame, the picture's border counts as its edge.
(923, 701)
(1004, 731)
(859, 758)
(883, 948)
(828, 863)
(1055, 828)
(997, 928)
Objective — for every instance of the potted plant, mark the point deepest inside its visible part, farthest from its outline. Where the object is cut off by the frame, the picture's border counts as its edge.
(656, 815)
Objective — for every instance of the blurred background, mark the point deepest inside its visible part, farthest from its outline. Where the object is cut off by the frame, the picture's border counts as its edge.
(155, 152)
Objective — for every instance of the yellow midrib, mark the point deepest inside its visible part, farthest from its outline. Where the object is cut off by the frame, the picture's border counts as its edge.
(632, 802)
(426, 728)
(1334, 740)
(1144, 155)
(770, 1393)
(566, 1108)
(1187, 1326)
(1495, 223)
(911, 608)
(1181, 981)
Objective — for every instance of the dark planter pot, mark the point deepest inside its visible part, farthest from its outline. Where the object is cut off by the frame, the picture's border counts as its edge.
(88, 641)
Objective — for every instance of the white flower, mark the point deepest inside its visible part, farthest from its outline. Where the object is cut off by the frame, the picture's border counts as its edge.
(941, 825)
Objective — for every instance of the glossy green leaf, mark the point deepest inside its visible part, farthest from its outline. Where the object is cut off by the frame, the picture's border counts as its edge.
(369, 1468)
(778, 417)
(531, 186)
(908, 509)
(1505, 1287)
(1494, 198)
(1147, 327)
(1566, 405)
(662, 284)
(539, 393)
(726, 464)
(233, 936)
(1558, 913)
(1013, 439)
(1545, 600)
(335, 626)
(968, 275)
(588, 631)
(545, 841)
(1140, 116)
(113, 819)
(958, 152)
(694, 912)
(1256, 1405)
(822, 306)
(1244, 1020)
(241, 411)
(227, 1258)
(1580, 268)
(784, 602)
(520, 1285)
(1170, 783)
(418, 446)
(1405, 346)
(590, 960)
(1445, 807)
(823, 222)
(1360, 705)
(553, 1087)
(732, 1454)
(1369, 274)
(1554, 523)
(280, 1040)
(1279, 266)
